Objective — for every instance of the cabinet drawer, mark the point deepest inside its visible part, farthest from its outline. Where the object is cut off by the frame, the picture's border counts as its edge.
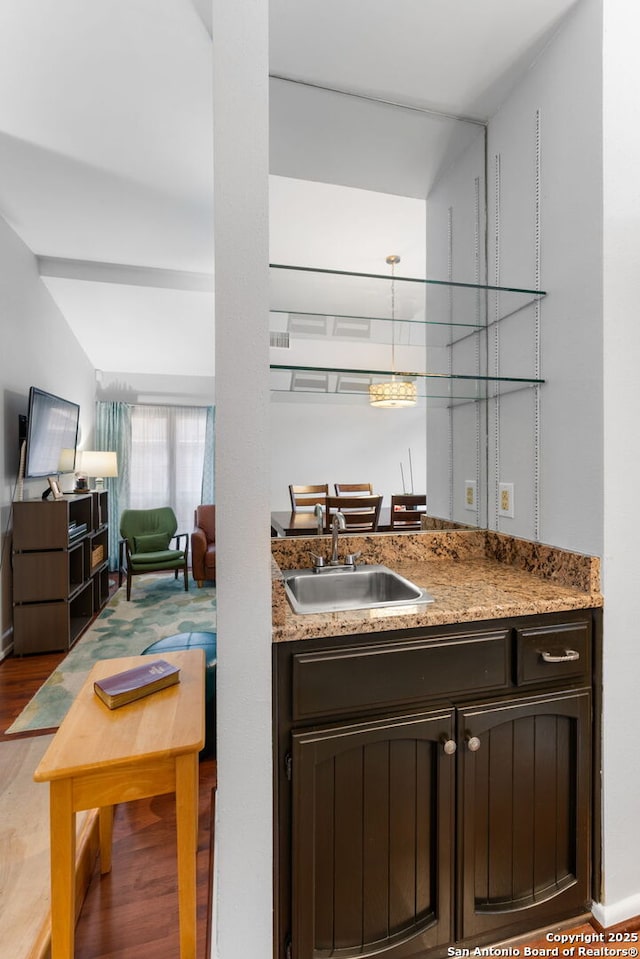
(47, 575)
(560, 652)
(40, 628)
(40, 576)
(358, 678)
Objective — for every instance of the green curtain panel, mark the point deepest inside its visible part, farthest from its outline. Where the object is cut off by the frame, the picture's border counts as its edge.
(113, 432)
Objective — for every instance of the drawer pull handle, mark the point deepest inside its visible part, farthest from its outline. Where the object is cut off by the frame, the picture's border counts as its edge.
(449, 746)
(473, 744)
(569, 656)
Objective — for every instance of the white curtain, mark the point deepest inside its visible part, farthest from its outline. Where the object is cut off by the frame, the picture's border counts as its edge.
(167, 458)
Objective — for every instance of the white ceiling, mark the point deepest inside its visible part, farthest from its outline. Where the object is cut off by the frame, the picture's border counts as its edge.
(106, 137)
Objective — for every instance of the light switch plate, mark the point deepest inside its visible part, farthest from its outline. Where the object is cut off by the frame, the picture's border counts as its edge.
(505, 500)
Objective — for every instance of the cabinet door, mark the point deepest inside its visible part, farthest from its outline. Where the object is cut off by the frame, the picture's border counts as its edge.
(525, 796)
(372, 837)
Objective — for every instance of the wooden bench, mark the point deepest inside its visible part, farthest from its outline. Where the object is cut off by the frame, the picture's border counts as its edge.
(25, 896)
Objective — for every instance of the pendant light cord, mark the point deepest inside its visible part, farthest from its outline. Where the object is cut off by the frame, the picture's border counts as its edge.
(392, 259)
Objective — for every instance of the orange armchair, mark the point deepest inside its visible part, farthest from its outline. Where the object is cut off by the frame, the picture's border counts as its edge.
(203, 544)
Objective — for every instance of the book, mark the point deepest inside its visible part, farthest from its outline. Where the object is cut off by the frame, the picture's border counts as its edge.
(131, 684)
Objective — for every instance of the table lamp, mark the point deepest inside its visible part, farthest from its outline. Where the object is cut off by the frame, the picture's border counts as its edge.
(66, 461)
(98, 463)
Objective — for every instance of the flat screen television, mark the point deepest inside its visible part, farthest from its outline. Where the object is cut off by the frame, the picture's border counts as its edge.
(52, 434)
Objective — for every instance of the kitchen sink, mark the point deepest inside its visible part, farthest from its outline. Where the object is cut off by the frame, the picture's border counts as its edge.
(356, 587)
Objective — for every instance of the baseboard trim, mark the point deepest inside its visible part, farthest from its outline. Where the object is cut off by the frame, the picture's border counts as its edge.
(6, 651)
(626, 911)
(210, 900)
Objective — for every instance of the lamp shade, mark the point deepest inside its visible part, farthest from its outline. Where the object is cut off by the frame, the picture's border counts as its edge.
(97, 463)
(66, 461)
(394, 394)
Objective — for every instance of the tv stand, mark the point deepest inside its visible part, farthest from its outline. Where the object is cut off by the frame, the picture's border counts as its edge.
(60, 569)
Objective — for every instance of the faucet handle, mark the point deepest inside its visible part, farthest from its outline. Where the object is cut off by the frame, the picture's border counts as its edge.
(350, 558)
(318, 561)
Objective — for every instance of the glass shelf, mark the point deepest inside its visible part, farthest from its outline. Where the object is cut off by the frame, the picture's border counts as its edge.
(331, 333)
(357, 307)
(453, 388)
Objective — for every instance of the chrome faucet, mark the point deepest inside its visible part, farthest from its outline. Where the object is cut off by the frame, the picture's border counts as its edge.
(337, 525)
(317, 509)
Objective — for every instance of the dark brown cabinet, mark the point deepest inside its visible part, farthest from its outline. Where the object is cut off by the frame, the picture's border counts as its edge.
(372, 837)
(432, 788)
(60, 569)
(524, 812)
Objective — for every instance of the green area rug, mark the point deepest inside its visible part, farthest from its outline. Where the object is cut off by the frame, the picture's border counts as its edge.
(159, 607)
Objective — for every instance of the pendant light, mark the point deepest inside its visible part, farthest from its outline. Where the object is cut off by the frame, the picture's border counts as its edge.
(395, 393)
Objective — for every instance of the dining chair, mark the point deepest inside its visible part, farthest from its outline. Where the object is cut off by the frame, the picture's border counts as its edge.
(306, 497)
(407, 510)
(361, 513)
(353, 489)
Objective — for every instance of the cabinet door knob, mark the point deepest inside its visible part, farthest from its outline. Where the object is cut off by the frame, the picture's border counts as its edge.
(473, 744)
(569, 656)
(449, 746)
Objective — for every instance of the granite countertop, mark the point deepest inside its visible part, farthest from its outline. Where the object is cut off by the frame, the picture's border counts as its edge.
(474, 575)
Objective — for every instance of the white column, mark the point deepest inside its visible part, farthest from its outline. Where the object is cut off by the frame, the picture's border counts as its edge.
(242, 921)
(621, 456)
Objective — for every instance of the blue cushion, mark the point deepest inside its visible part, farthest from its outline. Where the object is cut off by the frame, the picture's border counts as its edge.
(208, 642)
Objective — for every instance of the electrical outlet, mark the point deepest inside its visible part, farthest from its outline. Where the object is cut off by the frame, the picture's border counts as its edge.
(505, 500)
(470, 494)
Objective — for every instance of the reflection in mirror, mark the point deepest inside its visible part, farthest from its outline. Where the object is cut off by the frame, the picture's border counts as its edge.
(345, 171)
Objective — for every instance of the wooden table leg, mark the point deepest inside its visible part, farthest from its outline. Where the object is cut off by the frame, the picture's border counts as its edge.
(106, 838)
(63, 859)
(187, 832)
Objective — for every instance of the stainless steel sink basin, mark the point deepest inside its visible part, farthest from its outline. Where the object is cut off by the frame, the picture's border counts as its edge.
(359, 587)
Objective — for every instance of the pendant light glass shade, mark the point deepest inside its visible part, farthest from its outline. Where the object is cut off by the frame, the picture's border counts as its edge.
(396, 393)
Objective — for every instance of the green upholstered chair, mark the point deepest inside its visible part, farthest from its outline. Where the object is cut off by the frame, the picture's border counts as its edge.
(145, 544)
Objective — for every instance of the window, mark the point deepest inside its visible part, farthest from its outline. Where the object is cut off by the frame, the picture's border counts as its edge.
(167, 459)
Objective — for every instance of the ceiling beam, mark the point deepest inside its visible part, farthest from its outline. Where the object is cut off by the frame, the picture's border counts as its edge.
(93, 271)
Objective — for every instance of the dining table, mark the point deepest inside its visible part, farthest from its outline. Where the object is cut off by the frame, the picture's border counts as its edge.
(304, 523)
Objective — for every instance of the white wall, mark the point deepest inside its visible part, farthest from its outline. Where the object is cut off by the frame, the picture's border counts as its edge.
(343, 439)
(341, 228)
(551, 125)
(38, 349)
(456, 250)
(148, 388)
(333, 442)
(589, 116)
(621, 458)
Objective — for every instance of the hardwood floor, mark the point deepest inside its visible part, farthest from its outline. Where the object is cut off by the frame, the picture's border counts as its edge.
(20, 679)
(588, 936)
(131, 913)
